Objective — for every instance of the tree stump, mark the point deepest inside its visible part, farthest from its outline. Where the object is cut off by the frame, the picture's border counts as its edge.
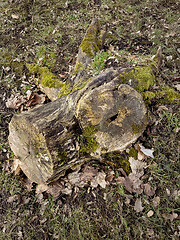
(101, 114)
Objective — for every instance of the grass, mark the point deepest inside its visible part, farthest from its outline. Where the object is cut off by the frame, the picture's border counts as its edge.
(50, 32)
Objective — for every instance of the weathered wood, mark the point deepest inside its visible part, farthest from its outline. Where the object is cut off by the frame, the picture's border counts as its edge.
(100, 114)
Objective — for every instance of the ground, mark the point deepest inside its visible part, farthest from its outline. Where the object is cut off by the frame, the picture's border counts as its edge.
(49, 33)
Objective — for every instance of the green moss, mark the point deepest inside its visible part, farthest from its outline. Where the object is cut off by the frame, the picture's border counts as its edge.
(141, 78)
(87, 142)
(168, 95)
(63, 157)
(47, 78)
(148, 96)
(18, 67)
(136, 128)
(133, 153)
(91, 43)
(79, 67)
(66, 89)
(118, 160)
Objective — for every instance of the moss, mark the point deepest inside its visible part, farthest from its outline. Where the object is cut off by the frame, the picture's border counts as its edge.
(136, 128)
(63, 157)
(168, 95)
(118, 160)
(66, 89)
(133, 153)
(87, 142)
(18, 67)
(148, 96)
(91, 43)
(141, 78)
(79, 67)
(48, 79)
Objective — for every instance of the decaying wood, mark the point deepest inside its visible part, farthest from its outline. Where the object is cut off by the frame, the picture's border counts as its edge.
(49, 139)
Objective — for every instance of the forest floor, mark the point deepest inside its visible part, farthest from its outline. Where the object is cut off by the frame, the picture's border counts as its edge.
(49, 33)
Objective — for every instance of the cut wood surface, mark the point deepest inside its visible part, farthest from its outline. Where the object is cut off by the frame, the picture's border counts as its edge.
(103, 115)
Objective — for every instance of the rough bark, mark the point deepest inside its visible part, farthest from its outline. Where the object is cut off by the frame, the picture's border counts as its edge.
(99, 115)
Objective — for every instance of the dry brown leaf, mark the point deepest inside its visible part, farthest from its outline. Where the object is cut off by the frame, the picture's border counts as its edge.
(67, 191)
(88, 173)
(55, 189)
(15, 101)
(156, 201)
(12, 198)
(16, 166)
(42, 187)
(149, 190)
(138, 205)
(170, 217)
(74, 178)
(109, 177)
(35, 99)
(137, 166)
(132, 183)
(99, 180)
(27, 183)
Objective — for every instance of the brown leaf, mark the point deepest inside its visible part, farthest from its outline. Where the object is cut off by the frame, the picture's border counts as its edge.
(27, 183)
(55, 189)
(170, 217)
(99, 180)
(42, 187)
(13, 198)
(132, 183)
(16, 166)
(35, 99)
(88, 173)
(149, 190)
(15, 101)
(156, 201)
(137, 166)
(138, 205)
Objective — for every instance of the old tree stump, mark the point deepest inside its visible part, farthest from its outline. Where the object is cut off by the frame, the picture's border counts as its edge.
(91, 115)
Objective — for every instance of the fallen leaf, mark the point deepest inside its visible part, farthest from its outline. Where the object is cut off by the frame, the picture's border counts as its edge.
(14, 16)
(12, 198)
(15, 101)
(150, 213)
(42, 187)
(132, 183)
(156, 201)
(35, 99)
(146, 151)
(138, 205)
(149, 190)
(67, 191)
(176, 194)
(88, 173)
(74, 178)
(25, 200)
(55, 189)
(16, 166)
(170, 217)
(27, 183)
(99, 180)
(137, 166)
